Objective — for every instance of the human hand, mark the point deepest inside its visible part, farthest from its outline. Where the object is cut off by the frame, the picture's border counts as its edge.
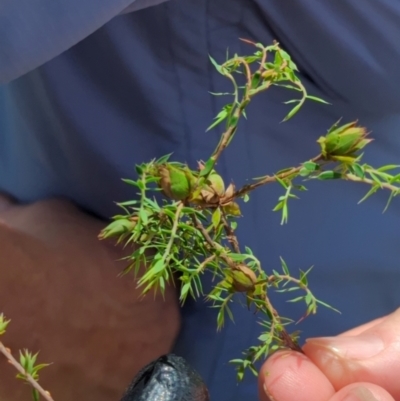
(362, 364)
(59, 285)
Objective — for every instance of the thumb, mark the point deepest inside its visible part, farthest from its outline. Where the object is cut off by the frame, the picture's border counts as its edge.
(371, 355)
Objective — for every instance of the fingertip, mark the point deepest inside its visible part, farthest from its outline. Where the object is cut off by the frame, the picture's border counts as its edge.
(362, 392)
(289, 375)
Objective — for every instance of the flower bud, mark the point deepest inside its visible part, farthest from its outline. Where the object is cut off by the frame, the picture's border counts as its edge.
(118, 227)
(341, 143)
(244, 279)
(232, 209)
(216, 183)
(174, 182)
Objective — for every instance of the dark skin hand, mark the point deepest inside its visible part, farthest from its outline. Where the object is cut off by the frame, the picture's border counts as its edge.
(59, 285)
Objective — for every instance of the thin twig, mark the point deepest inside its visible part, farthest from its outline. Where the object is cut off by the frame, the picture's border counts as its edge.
(5, 351)
(217, 248)
(229, 233)
(284, 335)
(270, 179)
(173, 231)
(352, 177)
(205, 263)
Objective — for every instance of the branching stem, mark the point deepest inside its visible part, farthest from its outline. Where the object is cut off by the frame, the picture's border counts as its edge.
(6, 352)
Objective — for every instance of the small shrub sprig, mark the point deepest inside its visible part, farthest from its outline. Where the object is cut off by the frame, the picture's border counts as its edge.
(27, 367)
(184, 220)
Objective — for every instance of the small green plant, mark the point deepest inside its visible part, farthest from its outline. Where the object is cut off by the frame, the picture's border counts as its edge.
(184, 219)
(27, 367)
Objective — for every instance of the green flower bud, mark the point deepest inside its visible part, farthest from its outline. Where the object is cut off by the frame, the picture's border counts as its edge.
(174, 181)
(216, 183)
(118, 227)
(243, 279)
(232, 208)
(341, 143)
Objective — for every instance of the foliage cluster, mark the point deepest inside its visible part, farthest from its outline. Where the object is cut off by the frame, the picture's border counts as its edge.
(183, 222)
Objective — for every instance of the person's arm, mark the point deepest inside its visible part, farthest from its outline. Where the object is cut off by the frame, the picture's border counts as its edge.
(59, 285)
(33, 32)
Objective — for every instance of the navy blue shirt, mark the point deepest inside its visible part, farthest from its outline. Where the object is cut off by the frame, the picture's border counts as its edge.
(92, 87)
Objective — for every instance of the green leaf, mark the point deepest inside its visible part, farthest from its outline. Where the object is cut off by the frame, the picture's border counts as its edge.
(40, 367)
(216, 65)
(209, 165)
(221, 116)
(130, 182)
(128, 203)
(216, 217)
(163, 159)
(327, 306)
(3, 324)
(303, 279)
(279, 206)
(285, 267)
(357, 170)
(288, 86)
(304, 172)
(246, 198)
(283, 183)
(329, 175)
(248, 250)
(301, 298)
(221, 93)
(369, 193)
(255, 79)
(311, 166)
(317, 99)
(392, 195)
(143, 216)
(293, 111)
(158, 267)
(388, 167)
(309, 299)
(184, 291)
(292, 101)
(35, 395)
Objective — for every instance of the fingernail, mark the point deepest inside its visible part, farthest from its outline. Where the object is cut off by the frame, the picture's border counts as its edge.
(359, 347)
(360, 394)
(267, 392)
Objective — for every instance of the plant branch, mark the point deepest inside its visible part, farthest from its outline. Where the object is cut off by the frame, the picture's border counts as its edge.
(354, 178)
(229, 233)
(270, 179)
(167, 252)
(283, 334)
(6, 352)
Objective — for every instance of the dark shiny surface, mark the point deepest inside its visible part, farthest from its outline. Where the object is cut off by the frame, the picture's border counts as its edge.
(169, 378)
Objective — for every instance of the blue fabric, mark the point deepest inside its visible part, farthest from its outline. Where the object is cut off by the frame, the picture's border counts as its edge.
(138, 87)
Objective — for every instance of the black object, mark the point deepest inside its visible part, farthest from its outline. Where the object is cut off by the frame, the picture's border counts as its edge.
(169, 378)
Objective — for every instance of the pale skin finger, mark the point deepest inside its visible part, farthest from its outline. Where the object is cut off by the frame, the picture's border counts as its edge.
(362, 392)
(373, 356)
(286, 372)
(289, 375)
(358, 330)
